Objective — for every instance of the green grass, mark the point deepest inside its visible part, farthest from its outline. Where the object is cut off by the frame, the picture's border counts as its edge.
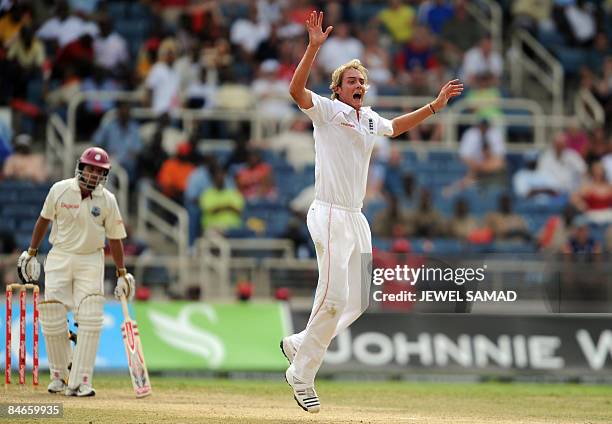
(178, 400)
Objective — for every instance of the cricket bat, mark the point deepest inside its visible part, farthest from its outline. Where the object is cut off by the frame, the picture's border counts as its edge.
(133, 350)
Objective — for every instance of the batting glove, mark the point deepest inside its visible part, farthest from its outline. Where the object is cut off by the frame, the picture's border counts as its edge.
(126, 285)
(28, 267)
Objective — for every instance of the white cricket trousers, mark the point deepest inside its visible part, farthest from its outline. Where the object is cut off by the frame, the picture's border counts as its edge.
(70, 277)
(341, 237)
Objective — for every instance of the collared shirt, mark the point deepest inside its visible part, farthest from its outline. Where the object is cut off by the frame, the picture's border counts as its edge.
(472, 143)
(80, 225)
(343, 146)
(111, 51)
(566, 170)
(164, 81)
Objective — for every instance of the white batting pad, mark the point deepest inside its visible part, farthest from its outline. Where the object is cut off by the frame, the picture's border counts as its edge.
(53, 321)
(90, 316)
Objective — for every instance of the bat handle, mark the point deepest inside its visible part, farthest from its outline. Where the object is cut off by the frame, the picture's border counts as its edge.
(124, 306)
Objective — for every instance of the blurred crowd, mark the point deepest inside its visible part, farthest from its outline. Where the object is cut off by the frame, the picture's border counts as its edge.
(239, 54)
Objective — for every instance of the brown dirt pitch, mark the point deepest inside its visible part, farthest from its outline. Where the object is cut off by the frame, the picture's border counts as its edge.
(192, 400)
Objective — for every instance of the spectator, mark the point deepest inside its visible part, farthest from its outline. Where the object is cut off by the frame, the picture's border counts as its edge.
(562, 165)
(256, 180)
(594, 197)
(575, 138)
(270, 47)
(171, 136)
(64, 28)
(296, 143)
(201, 94)
(174, 173)
(532, 183)
(418, 52)
(185, 37)
(505, 224)
(598, 146)
(482, 59)
(581, 243)
(340, 48)
(11, 24)
(26, 57)
(398, 20)
(78, 54)
(221, 205)
(458, 35)
(376, 59)
(272, 94)
(163, 81)
(247, 33)
(287, 28)
(198, 182)
(148, 53)
(530, 14)
(577, 22)
(417, 81)
(300, 204)
(424, 220)
(485, 95)
(188, 68)
(61, 96)
(393, 221)
(91, 112)
(556, 231)
(110, 50)
(394, 174)
(23, 164)
(121, 139)
(461, 224)
(152, 157)
(597, 55)
(300, 10)
(483, 151)
(437, 15)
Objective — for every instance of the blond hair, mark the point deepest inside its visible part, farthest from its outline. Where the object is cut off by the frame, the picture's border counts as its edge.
(336, 79)
(167, 46)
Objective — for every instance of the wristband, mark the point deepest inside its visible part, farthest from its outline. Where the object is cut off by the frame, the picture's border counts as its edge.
(32, 251)
(431, 108)
(121, 272)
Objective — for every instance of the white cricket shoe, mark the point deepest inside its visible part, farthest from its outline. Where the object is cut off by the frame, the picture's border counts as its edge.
(288, 350)
(303, 393)
(56, 385)
(84, 390)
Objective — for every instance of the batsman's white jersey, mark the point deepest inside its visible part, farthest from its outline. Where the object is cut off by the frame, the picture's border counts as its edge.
(343, 145)
(74, 267)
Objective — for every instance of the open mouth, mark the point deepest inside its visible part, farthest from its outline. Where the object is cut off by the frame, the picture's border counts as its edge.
(357, 96)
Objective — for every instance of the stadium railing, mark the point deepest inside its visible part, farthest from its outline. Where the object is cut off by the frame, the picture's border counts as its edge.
(223, 260)
(542, 67)
(588, 109)
(169, 219)
(491, 19)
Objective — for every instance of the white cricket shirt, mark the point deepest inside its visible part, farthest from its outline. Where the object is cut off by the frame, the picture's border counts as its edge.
(81, 225)
(343, 146)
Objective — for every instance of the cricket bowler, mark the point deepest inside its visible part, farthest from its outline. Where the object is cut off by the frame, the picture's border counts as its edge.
(344, 134)
(83, 213)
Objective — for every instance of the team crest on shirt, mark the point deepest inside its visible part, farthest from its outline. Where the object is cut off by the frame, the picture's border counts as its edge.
(95, 211)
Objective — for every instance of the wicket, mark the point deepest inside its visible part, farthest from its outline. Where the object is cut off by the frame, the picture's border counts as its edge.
(23, 288)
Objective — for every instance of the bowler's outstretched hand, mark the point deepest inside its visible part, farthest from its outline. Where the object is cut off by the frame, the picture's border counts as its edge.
(451, 89)
(314, 26)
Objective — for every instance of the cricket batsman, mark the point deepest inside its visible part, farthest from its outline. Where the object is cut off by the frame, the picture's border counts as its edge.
(83, 213)
(344, 134)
